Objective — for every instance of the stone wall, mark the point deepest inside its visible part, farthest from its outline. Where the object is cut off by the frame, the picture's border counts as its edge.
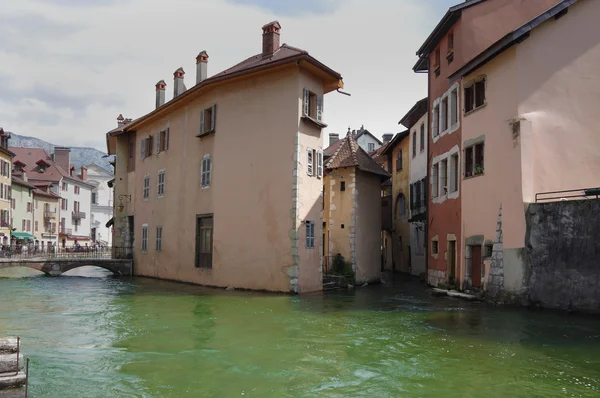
(436, 277)
(563, 250)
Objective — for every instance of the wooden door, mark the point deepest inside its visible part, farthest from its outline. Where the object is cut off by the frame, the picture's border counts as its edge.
(476, 266)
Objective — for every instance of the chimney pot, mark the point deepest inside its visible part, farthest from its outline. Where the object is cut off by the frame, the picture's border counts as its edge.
(201, 66)
(120, 120)
(387, 138)
(179, 86)
(270, 38)
(160, 93)
(333, 138)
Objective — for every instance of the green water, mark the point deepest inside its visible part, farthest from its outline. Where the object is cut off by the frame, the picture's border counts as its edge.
(105, 337)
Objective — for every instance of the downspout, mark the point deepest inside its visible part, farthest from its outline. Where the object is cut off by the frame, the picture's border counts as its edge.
(426, 226)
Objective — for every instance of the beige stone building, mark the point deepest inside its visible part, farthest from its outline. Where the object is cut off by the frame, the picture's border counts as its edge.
(222, 184)
(352, 210)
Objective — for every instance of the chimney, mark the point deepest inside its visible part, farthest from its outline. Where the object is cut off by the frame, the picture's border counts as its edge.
(62, 158)
(333, 137)
(71, 170)
(24, 176)
(83, 175)
(270, 38)
(201, 66)
(179, 87)
(120, 120)
(387, 138)
(160, 93)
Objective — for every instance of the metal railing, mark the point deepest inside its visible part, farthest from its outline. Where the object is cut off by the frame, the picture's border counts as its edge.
(50, 214)
(572, 194)
(72, 252)
(78, 215)
(66, 231)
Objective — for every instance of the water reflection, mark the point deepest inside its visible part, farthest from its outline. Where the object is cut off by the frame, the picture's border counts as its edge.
(91, 335)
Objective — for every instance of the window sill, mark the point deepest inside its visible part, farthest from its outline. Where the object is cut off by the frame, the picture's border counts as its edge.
(473, 176)
(205, 134)
(475, 109)
(314, 121)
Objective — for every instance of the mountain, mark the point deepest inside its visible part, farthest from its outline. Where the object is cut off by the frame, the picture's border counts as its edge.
(80, 156)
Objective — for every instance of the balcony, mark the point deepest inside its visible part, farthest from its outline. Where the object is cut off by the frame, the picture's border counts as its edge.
(50, 214)
(66, 231)
(417, 211)
(78, 215)
(49, 234)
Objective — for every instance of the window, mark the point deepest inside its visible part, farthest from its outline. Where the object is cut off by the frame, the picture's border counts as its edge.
(161, 183)
(310, 161)
(146, 188)
(36, 226)
(399, 160)
(414, 144)
(65, 186)
(436, 65)
(162, 143)
(23, 226)
(400, 210)
(475, 95)
(312, 105)
(422, 147)
(77, 190)
(444, 177)
(454, 107)
(28, 207)
(64, 204)
(206, 171)
(94, 198)
(204, 241)
(474, 160)
(434, 247)
(371, 147)
(487, 251)
(444, 116)
(208, 120)
(144, 238)
(436, 120)
(343, 186)
(450, 55)
(159, 238)
(454, 173)
(319, 164)
(310, 234)
(434, 180)
(146, 147)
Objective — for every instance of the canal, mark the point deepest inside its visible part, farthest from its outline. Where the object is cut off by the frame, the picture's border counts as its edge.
(90, 335)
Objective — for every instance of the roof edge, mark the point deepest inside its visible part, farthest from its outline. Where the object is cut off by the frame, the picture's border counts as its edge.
(411, 111)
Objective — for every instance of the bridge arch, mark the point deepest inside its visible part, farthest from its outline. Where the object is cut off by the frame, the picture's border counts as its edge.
(57, 267)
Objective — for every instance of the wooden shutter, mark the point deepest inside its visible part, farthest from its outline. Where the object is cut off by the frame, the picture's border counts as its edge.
(320, 164)
(166, 139)
(202, 121)
(203, 173)
(149, 142)
(143, 149)
(158, 142)
(319, 107)
(208, 170)
(309, 162)
(306, 102)
(213, 118)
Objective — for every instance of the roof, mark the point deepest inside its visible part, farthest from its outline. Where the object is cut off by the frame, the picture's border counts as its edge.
(445, 24)
(395, 141)
(286, 54)
(33, 156)
(20, 181)
(415, 113)
(512, 38)
(40, 192)
(350, 154)
(332, 149)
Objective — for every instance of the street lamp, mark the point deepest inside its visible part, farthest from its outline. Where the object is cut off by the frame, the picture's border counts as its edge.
(121, 205)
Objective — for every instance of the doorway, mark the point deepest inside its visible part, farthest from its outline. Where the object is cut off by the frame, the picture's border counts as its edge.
(476, 266)
(452, 259)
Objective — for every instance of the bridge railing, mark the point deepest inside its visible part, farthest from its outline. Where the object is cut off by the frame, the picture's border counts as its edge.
(91, 252)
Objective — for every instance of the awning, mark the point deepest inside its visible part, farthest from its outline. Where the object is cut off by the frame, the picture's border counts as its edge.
(22, 235)
(110, 222)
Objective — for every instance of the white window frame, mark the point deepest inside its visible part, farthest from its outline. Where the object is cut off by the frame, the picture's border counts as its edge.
(144, 238)
(160, 186)
(320, 163)
(159, 230)
(310, 234)
(310, 161)
(146, 188)
(442, 197)
(206, 171)
(436, 122)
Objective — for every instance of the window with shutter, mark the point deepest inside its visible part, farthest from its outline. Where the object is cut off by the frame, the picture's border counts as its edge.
(158, 139)
(309, 162)
(320, 164)
(166, 144)
(306, 102)
(319, 107)
(310, 234)
(213, 118)
(142, 149)
(202, 131)
(208, 121)
(206, 171)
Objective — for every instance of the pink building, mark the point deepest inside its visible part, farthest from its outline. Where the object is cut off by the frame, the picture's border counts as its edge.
(222, 185)
(530, 127)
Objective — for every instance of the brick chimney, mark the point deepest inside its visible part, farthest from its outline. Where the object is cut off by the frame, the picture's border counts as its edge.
(83, 175)
(387, 138)
(179, 87)
(62, 157)
(333, 138)
(270, 38)
(201, 66)
(120, 120)
(160, 93)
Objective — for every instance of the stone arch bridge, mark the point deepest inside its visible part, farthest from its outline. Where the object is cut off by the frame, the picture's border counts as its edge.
(53, 265)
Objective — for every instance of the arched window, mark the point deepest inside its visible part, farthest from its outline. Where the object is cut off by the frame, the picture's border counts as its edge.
(400, 210)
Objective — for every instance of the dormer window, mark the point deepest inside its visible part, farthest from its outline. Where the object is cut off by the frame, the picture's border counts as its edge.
(42, 166)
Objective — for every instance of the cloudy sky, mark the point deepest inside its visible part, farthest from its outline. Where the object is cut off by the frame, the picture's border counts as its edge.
(69, 67)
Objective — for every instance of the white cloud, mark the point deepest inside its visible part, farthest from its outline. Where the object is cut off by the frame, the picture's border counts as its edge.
(68, 71)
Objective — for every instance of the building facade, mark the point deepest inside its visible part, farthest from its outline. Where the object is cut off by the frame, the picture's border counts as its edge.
(465, 31)
(522, 140)
(22, 207)
(46, 216)
(352, 210)
(176, 166)
(6, 157)
(416, 121)
(102, 204)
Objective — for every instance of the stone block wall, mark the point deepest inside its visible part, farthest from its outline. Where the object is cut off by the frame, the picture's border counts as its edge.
(436, 277)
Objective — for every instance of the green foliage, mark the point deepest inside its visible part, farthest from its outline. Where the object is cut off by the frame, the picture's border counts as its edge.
(342, 267)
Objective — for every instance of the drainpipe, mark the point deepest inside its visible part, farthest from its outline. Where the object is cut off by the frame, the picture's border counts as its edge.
(426, 226)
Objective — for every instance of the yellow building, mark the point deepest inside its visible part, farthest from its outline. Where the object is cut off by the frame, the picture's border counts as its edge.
(222, 185)
(397, 152)
(5, 187)
(352, 210)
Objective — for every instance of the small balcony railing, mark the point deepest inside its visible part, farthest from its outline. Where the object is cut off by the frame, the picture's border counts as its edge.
(50, 214)
(78, 215)
(66, 231)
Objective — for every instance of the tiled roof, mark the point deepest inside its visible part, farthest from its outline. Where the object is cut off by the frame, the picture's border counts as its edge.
(350, 154)
(32, 156)
(48, 194)
(331, 149)
(17, 180)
